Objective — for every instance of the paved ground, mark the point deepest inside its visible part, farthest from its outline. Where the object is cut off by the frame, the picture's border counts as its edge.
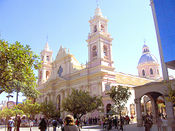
(131, 127)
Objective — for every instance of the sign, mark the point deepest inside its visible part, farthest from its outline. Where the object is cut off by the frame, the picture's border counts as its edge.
(10, 104)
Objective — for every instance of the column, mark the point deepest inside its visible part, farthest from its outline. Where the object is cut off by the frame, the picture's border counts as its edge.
(155, 110)
(138, 110)
(170, 115)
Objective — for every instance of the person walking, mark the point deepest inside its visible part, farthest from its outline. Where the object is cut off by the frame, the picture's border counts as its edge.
(10, 124)
(159, 122)
(121, 122)
(43, 125)
(18, 122)
(69, 124)
(54, 124)
(148, 123)
(116, 122)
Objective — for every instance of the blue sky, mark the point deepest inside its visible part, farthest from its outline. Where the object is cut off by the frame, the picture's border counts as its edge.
(65, 22)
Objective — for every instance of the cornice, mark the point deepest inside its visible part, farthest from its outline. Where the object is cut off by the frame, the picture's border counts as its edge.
(98, 35)
(96, 18)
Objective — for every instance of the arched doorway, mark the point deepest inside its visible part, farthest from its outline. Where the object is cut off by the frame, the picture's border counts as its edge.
(152, 104)
(156, 92)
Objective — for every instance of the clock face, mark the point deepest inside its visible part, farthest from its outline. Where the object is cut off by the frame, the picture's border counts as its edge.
(60, 71)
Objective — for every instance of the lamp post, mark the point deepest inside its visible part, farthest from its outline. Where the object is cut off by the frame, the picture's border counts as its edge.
(17, 93)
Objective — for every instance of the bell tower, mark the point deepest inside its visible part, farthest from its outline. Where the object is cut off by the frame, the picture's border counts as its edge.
(99, 41)
(45, 71)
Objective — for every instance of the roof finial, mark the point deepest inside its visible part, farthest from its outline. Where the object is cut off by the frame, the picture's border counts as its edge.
(98, 3)
(47, 38)
(144, 41)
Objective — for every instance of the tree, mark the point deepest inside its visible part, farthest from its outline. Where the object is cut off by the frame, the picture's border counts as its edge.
(171, 92)
(17, 68)
(7, 113)
(80, 103)
(49, 110)
(29, 108)
(119, 96)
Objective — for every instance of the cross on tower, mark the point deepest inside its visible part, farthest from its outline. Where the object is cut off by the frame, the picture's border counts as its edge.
(47, 38)
(98, 2)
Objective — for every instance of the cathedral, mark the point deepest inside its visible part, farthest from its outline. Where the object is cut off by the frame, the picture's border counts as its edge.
(57, 77)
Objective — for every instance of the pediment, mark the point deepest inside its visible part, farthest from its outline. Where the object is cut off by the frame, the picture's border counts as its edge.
(62, 53)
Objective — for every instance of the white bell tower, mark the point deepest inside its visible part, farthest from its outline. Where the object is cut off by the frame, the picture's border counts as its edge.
(99, 41)
(45, 71)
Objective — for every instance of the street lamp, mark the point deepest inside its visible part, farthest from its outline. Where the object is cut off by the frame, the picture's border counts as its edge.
(8, 96)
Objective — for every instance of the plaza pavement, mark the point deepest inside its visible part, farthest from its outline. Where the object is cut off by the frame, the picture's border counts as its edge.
(131, 127)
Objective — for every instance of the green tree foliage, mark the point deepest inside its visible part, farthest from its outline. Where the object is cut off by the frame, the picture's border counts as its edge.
(80, 103)
(7, 113)
(29, 108)
(17, 68)
(170, 91)
(49, 110)
(119, 96)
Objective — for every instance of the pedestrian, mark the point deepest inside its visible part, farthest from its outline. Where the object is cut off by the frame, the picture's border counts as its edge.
(109, 124)
(10, 124)
(116, 122)
(69, 124)
(121, 123)
(54, 124)
(127, 119)
(18, 122)
(148, 123)
(60, 121)
(159, 122)
(43, 125)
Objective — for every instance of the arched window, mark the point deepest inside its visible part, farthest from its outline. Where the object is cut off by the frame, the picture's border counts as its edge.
(143, 72)
(46, 100)
(132, 109)
(94, 51)
(105, 50)
(48, 59)
(47, 74)
(102, 28)
(151, 71)
(40, 75)
(95, 28)
(42, 58)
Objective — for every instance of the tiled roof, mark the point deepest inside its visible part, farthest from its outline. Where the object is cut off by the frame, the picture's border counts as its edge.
(122, 78)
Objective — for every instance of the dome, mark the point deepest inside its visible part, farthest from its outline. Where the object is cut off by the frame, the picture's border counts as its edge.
(146, 58)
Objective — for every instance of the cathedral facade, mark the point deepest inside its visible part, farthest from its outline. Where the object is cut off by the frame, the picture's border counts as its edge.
(98, 75)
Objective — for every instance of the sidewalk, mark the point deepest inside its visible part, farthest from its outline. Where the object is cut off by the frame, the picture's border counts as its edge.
(131, 127)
